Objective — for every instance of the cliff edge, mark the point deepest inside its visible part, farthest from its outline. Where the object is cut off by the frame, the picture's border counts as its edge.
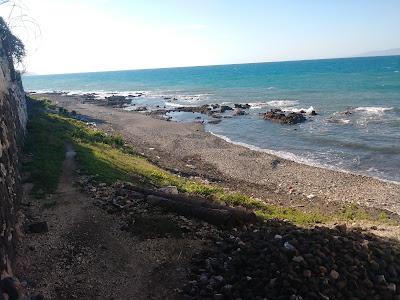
(13, 118)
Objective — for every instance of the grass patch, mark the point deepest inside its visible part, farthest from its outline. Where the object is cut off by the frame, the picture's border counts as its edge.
(270, 211)
(353, 212)
(45, 142)
(108, 159)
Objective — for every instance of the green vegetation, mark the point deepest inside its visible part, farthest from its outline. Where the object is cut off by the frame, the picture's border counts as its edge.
(45, 143)
(13, 47)
(108, 159)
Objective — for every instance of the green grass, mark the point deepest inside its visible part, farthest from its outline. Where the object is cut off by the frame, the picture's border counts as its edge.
(109, 159)
(45, 142)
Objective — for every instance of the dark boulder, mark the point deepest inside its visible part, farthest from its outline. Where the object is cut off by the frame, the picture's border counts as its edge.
(224, 108)
(239, 112)
(204, 109)
(117, 101)
(277, 115)
(242, 106)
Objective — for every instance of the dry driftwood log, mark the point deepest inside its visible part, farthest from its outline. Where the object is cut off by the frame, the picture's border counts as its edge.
(196, 206)
(221, 216)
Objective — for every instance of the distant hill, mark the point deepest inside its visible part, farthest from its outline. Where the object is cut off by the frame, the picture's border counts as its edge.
(387, 52)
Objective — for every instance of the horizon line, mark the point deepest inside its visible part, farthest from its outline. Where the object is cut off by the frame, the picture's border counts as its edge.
(213, 65)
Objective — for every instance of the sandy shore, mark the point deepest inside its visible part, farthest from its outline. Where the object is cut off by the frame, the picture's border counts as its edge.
(187, 148)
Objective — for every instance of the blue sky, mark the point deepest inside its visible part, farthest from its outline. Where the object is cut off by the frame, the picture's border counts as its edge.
(95, 35)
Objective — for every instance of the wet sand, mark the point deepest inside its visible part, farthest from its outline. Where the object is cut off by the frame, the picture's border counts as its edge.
(187, 148)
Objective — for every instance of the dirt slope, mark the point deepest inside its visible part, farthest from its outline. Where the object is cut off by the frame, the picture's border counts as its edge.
(85, 255)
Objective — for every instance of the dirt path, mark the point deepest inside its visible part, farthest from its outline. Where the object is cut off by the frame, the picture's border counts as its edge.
(85, 255)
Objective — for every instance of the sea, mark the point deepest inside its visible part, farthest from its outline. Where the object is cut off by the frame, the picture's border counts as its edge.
(357, 100)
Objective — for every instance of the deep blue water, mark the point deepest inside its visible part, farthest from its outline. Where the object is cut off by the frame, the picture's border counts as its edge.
(367, 141)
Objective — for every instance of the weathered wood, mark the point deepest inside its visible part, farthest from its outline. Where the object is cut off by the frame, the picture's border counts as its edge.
(189, 198)
(222, 216)
(210, 215)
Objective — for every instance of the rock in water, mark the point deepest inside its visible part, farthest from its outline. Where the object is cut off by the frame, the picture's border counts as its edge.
(242, 106)
(239, 112)
(224, 108)
(279, 116)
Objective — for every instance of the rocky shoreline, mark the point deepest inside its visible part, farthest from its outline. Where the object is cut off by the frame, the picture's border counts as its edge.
(183, 245)
(215, 111)
(187, 148)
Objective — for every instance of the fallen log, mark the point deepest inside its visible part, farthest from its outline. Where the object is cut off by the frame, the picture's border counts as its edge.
(188, 198)
(222, 216)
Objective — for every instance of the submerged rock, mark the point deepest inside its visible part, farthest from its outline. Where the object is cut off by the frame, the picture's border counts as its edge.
(239, 112)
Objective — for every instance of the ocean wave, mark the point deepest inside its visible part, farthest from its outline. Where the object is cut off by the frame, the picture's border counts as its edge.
(283, 154)
(273, 103)
(373, 109)
(297, 110)
(282, 103)
(299, 159)
(174, 104)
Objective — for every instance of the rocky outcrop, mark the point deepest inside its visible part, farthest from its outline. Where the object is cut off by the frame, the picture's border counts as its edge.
(13, 118)
(277, 115)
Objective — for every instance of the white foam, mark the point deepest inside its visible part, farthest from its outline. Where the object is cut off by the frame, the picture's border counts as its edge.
(283, 154)
(282, 103)
(258, 105)
(373, 109)
(173, 104)
(297, 110)
(274, 103)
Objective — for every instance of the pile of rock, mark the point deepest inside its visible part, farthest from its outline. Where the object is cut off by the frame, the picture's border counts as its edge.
(117, 101)
(281, 261)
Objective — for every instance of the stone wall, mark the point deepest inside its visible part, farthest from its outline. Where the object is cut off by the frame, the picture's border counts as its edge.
(13, 118)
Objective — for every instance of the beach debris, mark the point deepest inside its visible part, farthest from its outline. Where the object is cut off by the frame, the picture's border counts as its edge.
(279, 116)
(311, 196)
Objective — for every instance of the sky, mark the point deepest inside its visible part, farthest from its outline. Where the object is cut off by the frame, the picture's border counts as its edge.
(67, 36)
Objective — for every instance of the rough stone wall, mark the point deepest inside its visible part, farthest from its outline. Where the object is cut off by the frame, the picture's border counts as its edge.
(13, 118)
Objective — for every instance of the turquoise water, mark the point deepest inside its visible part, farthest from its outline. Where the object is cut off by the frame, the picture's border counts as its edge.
(367, 141)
